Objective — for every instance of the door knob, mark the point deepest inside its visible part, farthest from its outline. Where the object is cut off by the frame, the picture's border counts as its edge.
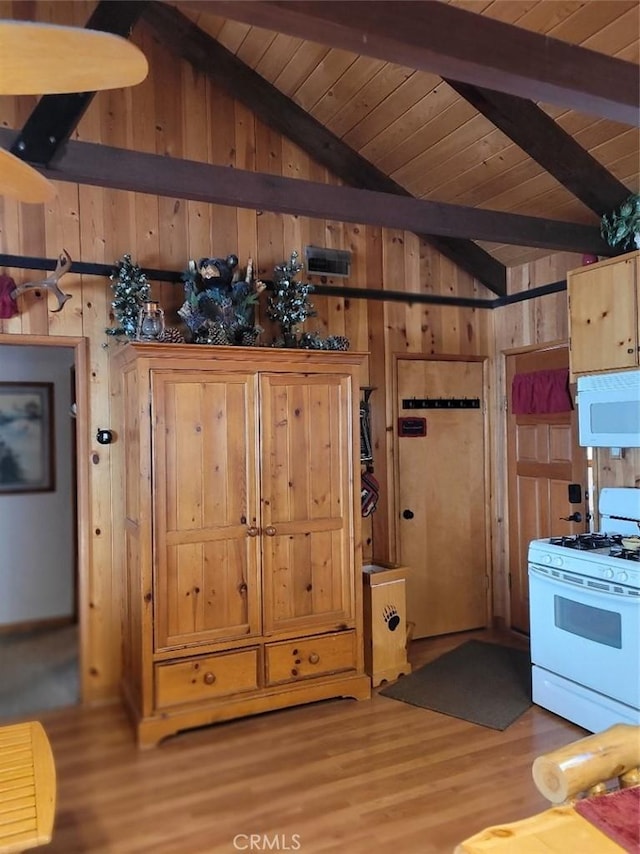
(407, 514)
(575, 517)
(270, 531)
(252, 531)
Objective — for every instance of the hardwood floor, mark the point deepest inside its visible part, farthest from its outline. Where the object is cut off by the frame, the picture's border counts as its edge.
(337, 776)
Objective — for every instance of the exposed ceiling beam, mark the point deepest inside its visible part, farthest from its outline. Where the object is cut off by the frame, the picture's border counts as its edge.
(539, 136)
(456, 44)
(117, 168)
(55, 117)
(183, 38)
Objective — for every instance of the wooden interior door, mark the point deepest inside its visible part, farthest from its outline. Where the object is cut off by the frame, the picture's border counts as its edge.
(206, 507)
(543, 458)
(307, 501)
(443, 497)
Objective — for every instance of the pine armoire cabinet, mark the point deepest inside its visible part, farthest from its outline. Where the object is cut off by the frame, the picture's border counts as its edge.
(240, 532)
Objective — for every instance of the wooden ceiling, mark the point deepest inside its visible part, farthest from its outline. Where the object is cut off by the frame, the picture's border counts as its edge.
(418, 130)
(399, 128)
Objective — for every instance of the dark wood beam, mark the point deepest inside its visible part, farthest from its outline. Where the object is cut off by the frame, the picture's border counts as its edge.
(456, 44)
(55, 117)
(25, 262)
(549, 145)
(117, 168)
(183, 38)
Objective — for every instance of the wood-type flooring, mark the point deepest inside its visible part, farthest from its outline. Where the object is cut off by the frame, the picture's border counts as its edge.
(338, 776)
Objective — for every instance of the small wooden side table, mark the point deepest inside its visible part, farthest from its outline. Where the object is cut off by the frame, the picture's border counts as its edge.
(385, 622)
(27, 787)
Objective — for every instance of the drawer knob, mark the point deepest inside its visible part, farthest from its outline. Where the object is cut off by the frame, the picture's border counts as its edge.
(270, 531)
(209, 678)
(252, 531)
(314, 658)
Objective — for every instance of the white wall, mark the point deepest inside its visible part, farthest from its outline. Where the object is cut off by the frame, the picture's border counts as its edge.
(37, 530)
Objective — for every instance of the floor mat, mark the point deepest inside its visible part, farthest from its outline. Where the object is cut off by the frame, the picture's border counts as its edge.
(484, 683)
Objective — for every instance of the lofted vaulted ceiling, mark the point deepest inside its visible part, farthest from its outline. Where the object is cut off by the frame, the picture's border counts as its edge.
(534, 116)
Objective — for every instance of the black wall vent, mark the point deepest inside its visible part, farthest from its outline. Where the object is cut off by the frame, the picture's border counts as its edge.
(327, 262)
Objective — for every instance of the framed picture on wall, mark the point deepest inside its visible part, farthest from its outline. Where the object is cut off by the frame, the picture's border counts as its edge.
(26, 437)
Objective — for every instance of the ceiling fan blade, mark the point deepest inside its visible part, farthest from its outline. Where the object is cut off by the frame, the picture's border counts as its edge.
(21, 182)
(43, 59)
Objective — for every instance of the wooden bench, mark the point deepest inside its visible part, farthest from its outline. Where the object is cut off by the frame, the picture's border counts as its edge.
(586, 768)
(27, 787)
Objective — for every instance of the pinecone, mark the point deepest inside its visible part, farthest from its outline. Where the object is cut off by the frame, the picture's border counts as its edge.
(248, 337)
(338, 342)
(171, 335)
(212, 333)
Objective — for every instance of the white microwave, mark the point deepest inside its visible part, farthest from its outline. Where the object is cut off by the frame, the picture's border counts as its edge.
(609, 410)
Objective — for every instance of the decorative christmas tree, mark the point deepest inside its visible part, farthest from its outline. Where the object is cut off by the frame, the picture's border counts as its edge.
(131, 289)
(289, 303)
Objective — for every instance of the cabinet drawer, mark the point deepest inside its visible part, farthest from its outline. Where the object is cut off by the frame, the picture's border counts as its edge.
(206, 677)
(307, 657)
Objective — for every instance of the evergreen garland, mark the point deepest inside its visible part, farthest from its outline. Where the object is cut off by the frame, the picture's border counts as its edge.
(289, 303)
(622, 227)
(131, 289)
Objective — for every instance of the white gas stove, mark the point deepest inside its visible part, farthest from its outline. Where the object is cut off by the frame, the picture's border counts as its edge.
(585, 617)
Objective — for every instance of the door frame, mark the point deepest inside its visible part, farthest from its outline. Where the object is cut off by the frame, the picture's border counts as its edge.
(488, 471)
(80, 348)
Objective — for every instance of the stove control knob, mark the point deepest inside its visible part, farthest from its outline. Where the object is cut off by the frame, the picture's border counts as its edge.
(608, 573)
(622, 576)
(558, 561)
(547, 558)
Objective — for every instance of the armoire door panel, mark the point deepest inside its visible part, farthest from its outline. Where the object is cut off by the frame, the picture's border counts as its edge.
(306, 449)
(307, 493)
(208, 431)
(304, 582)
(207, 587)
(206, 502)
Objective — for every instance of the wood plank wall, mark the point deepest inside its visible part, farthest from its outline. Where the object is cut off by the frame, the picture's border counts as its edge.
(179, 114)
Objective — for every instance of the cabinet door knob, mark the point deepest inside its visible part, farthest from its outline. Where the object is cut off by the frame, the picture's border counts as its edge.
(252, 531)
(314, 658)
(270, 531)
(209, 678)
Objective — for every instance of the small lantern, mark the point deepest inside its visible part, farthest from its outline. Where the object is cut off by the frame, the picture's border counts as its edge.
(150, 321)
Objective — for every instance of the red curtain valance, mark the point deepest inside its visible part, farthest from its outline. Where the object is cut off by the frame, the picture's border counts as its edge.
(541, 392)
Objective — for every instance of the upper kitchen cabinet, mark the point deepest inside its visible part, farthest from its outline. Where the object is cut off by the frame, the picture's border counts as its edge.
(604, 329)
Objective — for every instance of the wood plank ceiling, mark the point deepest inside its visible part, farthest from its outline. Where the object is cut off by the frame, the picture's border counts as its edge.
(393, 129)
(415, 128)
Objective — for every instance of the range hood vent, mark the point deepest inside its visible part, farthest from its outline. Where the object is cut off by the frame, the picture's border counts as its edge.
(327, 262)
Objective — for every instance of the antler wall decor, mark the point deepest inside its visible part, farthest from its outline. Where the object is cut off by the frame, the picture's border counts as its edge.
(50, 283)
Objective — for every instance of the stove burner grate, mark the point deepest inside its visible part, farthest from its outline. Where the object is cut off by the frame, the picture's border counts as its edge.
(587, 542)
(625, 554)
